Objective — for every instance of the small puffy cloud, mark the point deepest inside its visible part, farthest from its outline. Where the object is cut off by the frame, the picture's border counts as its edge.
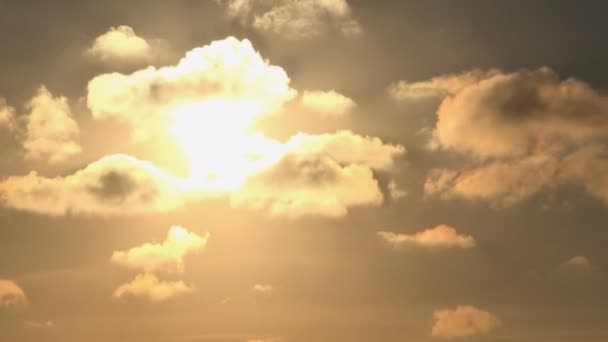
(464, 321)
(120, 44)
(113, 185)
(11, 295)
(148, 286)
(328, 103)
(395, 191)
(264, 289)
(227, 80)
(441, 236)
(295, 19)
(7, 114)
(577, 263)
(164, 257)
(524, 132)
(51, 131)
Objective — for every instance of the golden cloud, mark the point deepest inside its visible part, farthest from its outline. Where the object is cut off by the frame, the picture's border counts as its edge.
(295, 19)
(120, 43)
(464, 321)
(113, 185)
(525, 132)
(51, 131)
(327, 103)
(150, 287)
(164, 257)
(11, 295)
(441, 236)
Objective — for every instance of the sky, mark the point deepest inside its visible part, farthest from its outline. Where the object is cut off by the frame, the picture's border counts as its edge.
(303, 170)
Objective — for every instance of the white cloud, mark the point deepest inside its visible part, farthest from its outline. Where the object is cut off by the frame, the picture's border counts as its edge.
(328, 103)
(165, 257)
(113, 185)
(295, 19)
(464, 321)
(224, 73)
(441, 236)
(577, 263)
(120, 44)
(11, 295)
(150, 287)
(264, 289)
(51, 131)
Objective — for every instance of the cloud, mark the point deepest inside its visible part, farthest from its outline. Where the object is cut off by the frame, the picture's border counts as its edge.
(264, 289)
(577, 263)
(120, 44)
(51, 131)
(113, 185)
(224, 73)
(395, 191)
(328, 103)
(513, 114)
(7, 114)
(323, 174)
(11, 295)
(40, 325)
(464, 321)
(437, 87)
(441, 236)
(504, 182)
(295, 19)
(524, 132)
(148, 286)
(165, 257)
(208, 103)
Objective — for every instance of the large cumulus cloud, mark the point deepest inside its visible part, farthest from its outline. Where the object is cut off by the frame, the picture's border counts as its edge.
(525, 132)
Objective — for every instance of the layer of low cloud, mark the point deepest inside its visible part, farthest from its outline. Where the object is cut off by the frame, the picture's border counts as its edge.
(524, 132)
(11, 295)
(148, 286)
(120, 44)
(295, 19)
(327, 103)
(463, 321)
(441, 236)
(167, 256)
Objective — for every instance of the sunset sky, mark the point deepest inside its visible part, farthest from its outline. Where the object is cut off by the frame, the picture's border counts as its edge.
(303, 171)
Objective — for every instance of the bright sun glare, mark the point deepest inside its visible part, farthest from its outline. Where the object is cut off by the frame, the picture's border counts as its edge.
(214, 135)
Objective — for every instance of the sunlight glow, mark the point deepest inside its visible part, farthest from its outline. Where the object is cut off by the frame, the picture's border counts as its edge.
(214, 136)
